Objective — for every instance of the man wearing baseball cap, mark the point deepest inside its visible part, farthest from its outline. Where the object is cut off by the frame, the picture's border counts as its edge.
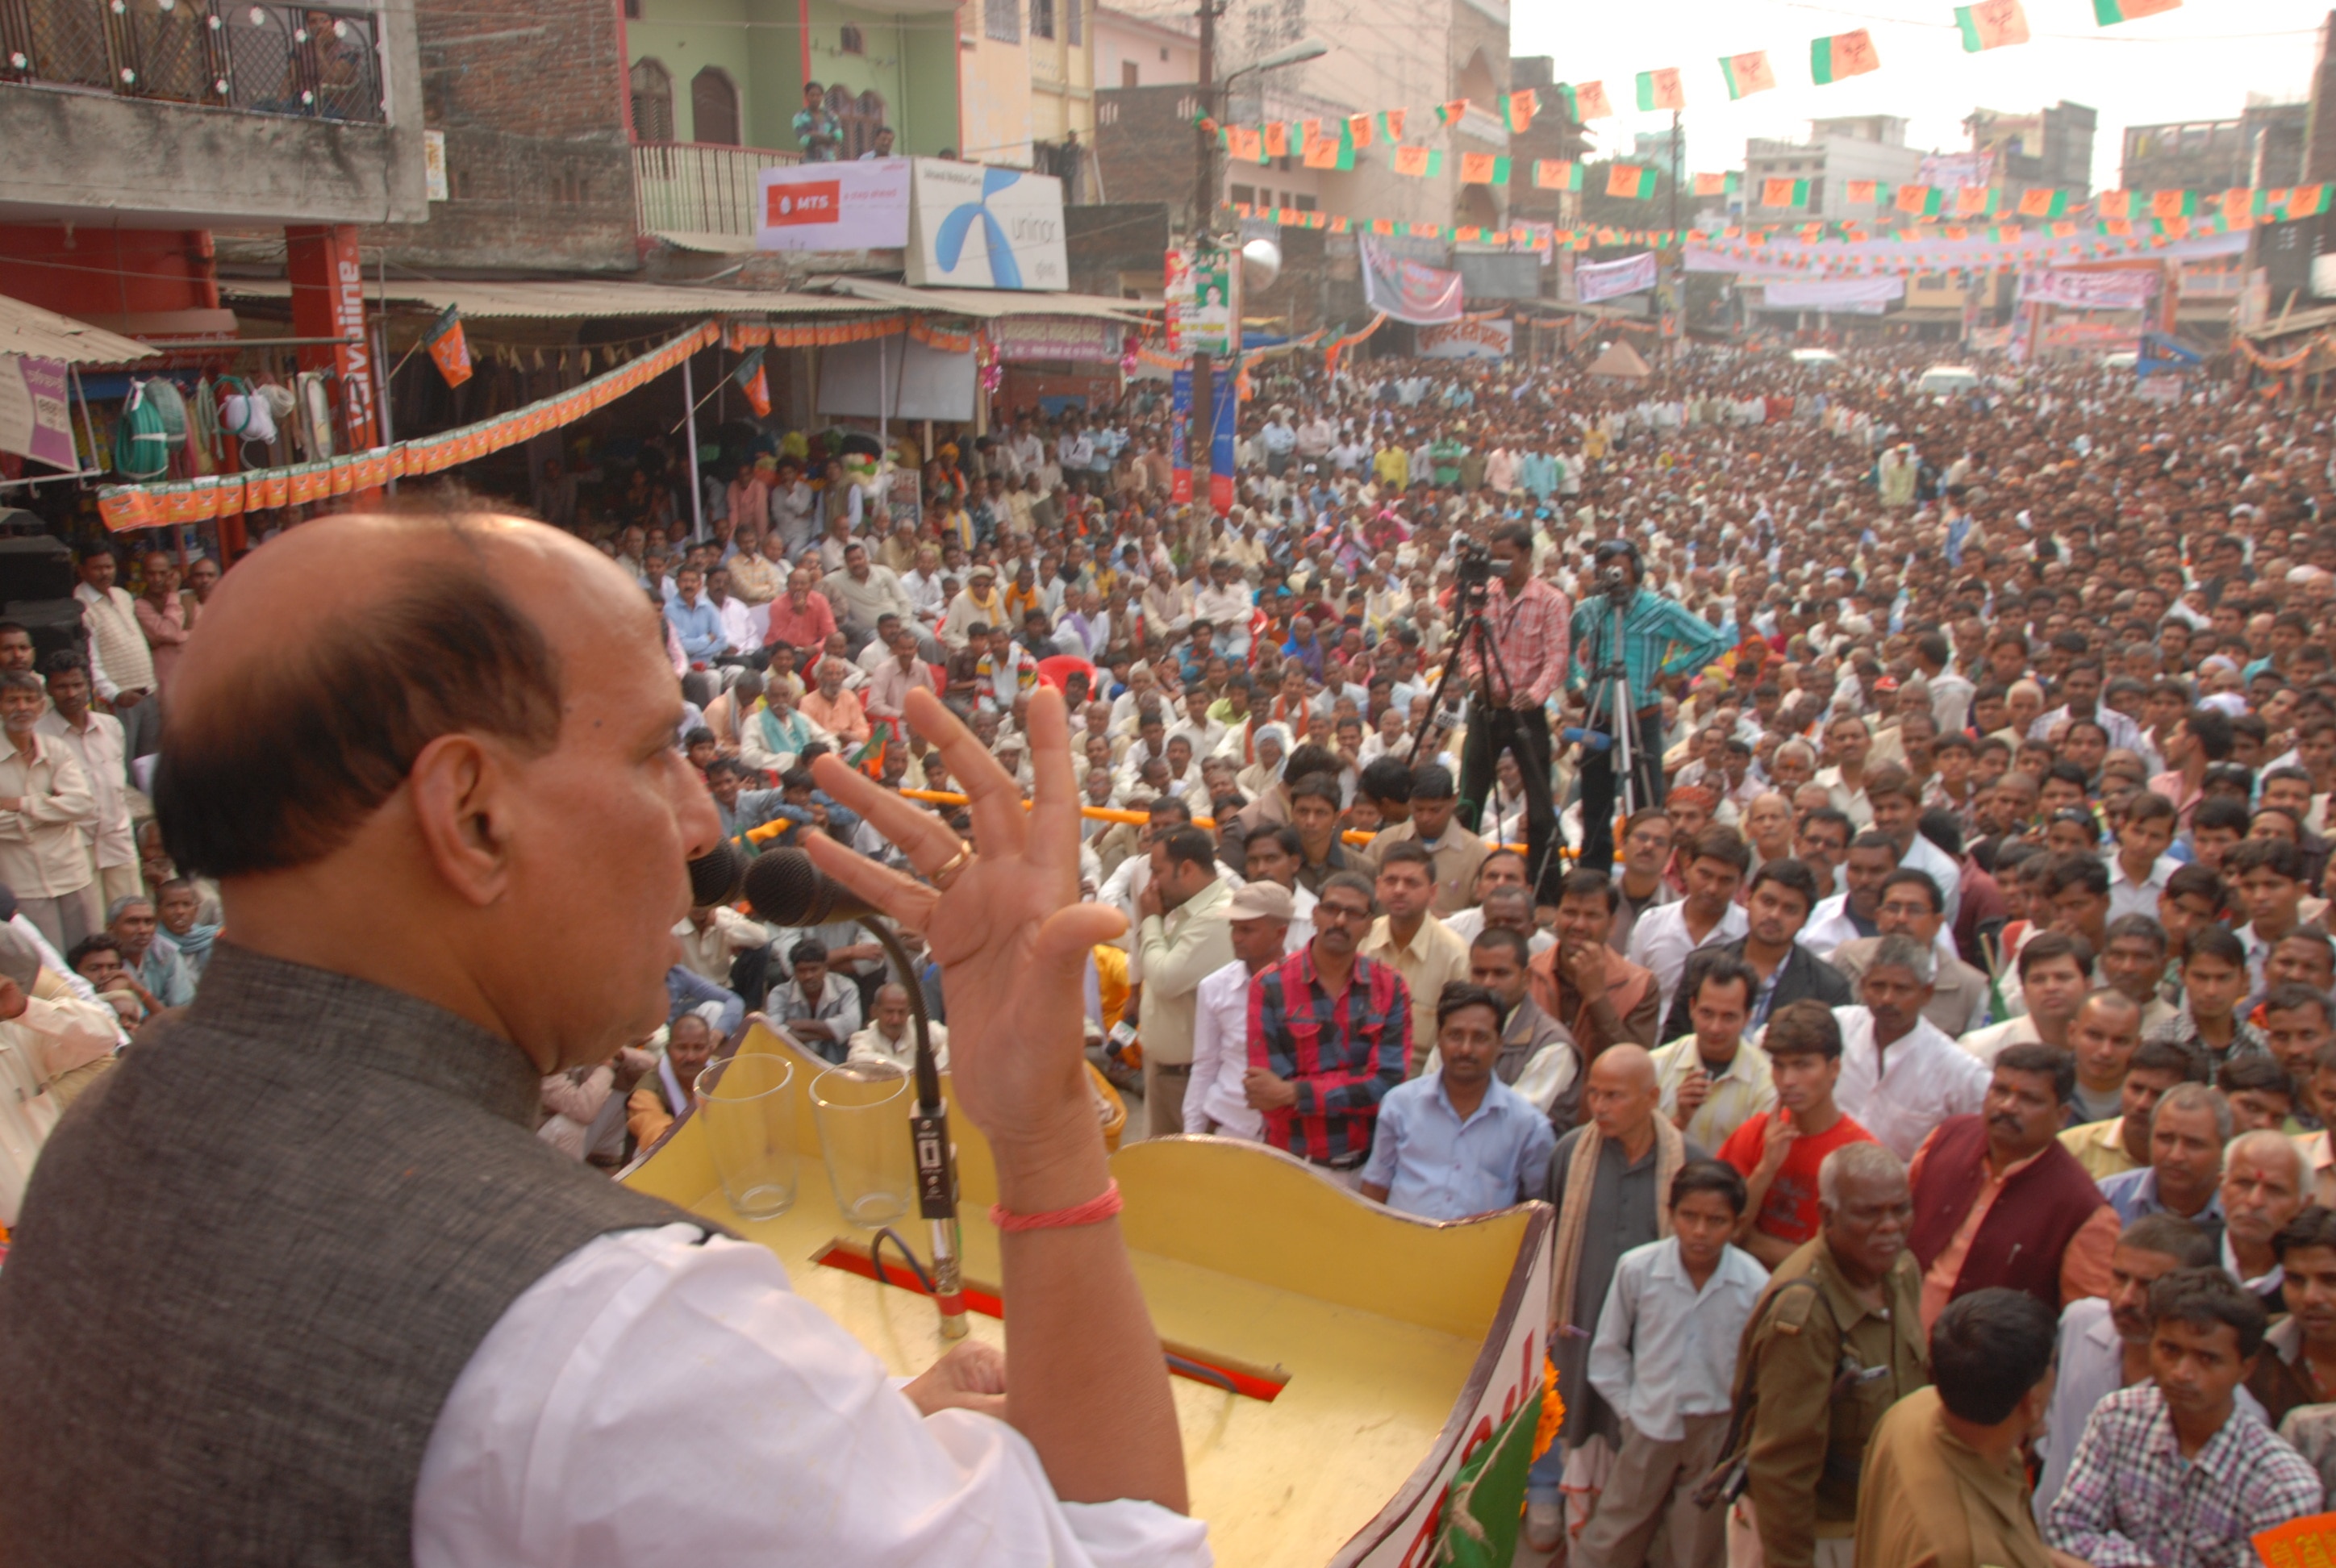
(1259, 914)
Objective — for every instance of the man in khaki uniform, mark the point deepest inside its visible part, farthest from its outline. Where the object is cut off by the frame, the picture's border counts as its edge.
(1836, 1340)
(1943, 1485)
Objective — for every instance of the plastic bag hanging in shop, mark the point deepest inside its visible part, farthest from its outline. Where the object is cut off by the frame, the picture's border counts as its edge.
(142, 446)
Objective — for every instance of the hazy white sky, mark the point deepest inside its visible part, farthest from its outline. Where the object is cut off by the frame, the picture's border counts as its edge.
(2198, 62)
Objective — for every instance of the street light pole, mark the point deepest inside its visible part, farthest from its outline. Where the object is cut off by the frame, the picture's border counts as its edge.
(1200, 444)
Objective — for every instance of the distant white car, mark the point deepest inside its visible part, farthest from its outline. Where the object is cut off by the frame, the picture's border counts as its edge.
(1941, 379)
(2124, 359)
(1814, 357)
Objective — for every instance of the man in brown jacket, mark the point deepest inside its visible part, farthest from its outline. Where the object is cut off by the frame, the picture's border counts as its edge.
(1601, 997)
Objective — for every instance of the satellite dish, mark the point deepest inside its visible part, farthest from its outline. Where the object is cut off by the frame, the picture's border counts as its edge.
(1261, 263)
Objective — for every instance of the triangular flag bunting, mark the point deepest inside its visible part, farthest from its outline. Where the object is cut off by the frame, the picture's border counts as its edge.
(2109, 13)
(1518, 109)
(1843, 55)
(2172, 203)
(1783, 194)
(1589, 101)
(1991, 24)
(1277, 138)
(1712, 184)
(1748, 73)
(1661, 90)
(1419, 162)
(1358, 129)
(2043, 203)
(1922, 200)
(2115, 203)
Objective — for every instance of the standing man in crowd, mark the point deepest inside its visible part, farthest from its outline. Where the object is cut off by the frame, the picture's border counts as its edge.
(1256, 920)
(1530, 622)
(1779, 1155)
(96, 741)
(1457, 1141)
(120, 665)
(1412, 941)
(1182, 938)
(44, 800)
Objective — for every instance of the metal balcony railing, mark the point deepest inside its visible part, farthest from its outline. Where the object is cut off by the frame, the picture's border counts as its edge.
(699, 188)
(316, 62)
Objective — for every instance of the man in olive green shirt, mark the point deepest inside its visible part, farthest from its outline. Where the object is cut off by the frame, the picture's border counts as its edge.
(1943, 1485)
(1836, 1340)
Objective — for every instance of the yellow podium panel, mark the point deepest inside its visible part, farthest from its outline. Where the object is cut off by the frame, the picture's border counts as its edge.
(1367, 1352)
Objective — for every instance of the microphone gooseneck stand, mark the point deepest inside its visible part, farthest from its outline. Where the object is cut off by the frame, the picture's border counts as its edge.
(929, 1136)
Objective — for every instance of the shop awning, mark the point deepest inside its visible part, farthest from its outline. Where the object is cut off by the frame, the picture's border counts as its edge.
(38, 334)
(549, 298)
(991, 303)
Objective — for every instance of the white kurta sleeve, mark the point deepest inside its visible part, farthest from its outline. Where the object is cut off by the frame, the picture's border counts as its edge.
(652, 1401)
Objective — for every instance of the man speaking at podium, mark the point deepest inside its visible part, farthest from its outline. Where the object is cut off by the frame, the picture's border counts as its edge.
(298, 1284)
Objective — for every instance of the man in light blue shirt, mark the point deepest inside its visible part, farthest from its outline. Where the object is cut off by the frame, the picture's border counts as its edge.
(1458, 1142)
(2187, 1130)
(695, 620)
(1665, 1357)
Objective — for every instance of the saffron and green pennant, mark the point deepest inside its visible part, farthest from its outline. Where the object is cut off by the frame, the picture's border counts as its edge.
(1747, 74)
(2043, 203)
(1991, 24)
(1635, 181)
(2109, 13)
(1843, 55)
(1391, 125)
(1661, 90)
(1783, 194)
(1453, 113)
(1483, 169)
(1587, 101)
(1716, 184)
(2165, 204)
(1518, 109)
(1418, 162)
(1556, 174)
(1918, 201)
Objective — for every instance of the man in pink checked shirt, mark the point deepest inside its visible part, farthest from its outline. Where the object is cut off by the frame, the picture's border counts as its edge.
(1531, 624)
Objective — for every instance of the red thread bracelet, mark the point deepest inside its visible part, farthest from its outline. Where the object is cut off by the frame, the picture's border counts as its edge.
(1093, 1212)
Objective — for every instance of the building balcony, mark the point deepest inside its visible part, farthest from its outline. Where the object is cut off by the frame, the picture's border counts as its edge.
(210, 111)
(312, 62)
(700, 187)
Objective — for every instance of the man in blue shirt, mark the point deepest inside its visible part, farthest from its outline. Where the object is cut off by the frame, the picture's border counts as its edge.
(695, 620)
(1458, 1142)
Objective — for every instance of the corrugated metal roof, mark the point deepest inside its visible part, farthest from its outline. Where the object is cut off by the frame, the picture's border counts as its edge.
(38, 334)
(989, 303)
(582, 297)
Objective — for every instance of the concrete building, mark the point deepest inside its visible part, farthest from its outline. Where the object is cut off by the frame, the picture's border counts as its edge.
(2051, 148)
(1132, 50)
(1838, 151)
(133, 132)
(1384, 55)
(2263, 146)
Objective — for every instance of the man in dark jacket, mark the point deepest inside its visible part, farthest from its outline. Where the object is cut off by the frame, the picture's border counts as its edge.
(1776, 906)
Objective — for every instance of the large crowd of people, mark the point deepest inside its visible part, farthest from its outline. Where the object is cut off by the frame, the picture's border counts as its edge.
(1858, 855)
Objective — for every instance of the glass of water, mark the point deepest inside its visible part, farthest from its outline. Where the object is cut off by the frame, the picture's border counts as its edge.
(862, 1110)
(750, 1122)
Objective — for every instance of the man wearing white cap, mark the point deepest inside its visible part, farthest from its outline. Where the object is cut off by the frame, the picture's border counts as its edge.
(1259, 914)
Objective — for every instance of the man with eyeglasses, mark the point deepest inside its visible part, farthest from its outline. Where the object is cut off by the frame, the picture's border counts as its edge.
(1911, 908)
(1329, 1034)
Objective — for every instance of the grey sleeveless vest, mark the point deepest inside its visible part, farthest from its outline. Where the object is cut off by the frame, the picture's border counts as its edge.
(251, 1265)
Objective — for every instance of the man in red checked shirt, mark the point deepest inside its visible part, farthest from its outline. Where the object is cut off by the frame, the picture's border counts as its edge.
(1329, 1034)
(1531, 624)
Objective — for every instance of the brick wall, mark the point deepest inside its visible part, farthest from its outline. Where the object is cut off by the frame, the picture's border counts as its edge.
(1145, 147)
(529, 95)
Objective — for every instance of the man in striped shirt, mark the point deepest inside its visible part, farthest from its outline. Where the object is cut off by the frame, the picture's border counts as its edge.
(1329, 1034)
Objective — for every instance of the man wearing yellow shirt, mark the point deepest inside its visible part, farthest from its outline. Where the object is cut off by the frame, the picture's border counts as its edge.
(1415, 943)
(1392, 467)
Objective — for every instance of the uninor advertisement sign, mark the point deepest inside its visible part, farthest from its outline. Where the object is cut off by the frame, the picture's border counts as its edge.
(858, 206)
(976, 227)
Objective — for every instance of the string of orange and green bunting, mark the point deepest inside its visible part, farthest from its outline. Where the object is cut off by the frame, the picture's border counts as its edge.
(2223, 214)
(1332, 141)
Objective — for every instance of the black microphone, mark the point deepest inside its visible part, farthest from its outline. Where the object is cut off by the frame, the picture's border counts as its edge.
(787, 890)
(713, 875)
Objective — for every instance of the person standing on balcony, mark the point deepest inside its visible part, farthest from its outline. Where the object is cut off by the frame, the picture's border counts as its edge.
(817, 132)
(883, 145)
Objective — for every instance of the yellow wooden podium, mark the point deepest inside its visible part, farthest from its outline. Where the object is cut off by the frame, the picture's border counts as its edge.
(1368, 1352)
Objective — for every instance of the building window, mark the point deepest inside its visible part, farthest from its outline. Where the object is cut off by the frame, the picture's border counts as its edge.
(1002, 19)
(1305, 203)
(1042, 18)
(853, 41)
(713, 108)
(1163, 55)
(1128, 73)
(861, 117)
(1246, 195)
(632, 10)
(652, 86)
(1074, 24)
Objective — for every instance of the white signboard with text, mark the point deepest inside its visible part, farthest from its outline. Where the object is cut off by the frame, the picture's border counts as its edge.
(862, 205)
(1468, 339)
(975, 227)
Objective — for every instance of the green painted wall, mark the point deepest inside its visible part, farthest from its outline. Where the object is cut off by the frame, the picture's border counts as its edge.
(909, 61)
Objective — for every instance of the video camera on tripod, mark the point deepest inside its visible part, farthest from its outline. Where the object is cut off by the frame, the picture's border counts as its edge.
(1473, 568)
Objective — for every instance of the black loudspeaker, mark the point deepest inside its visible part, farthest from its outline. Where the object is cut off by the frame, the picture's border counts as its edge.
(54, 623)
(35, 567)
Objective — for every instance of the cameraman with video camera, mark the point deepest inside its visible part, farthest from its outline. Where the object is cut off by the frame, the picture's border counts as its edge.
(1527, 619)
(1658, 637)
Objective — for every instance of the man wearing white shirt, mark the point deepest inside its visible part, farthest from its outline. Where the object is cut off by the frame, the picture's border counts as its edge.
(530, 1364)
(1661, 938)
(1225, 603)
(1214, 1100)
(1896, 800)
(1900, 1076)
(2140, 869)
(95, 740)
